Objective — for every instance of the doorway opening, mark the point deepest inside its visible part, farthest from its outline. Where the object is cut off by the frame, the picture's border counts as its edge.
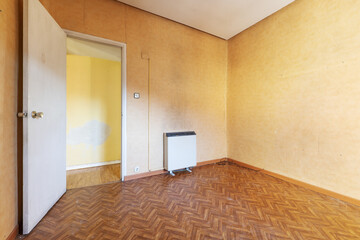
(95, 110)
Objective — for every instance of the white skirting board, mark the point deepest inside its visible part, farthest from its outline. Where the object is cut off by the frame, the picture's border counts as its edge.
(92, 165)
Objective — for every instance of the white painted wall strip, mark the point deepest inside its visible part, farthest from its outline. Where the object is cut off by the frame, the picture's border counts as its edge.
(92, 165)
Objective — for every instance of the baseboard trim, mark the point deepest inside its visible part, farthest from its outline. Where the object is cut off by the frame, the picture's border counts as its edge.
(90, 165)
(300, 183)
(143, 175)
(198, 164)
(158, 172)
(13, 233)
(244, 165)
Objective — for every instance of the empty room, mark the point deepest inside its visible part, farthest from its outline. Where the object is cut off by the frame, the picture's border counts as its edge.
(194, 119)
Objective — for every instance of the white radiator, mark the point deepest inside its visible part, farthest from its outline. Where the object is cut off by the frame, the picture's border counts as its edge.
(179, 151)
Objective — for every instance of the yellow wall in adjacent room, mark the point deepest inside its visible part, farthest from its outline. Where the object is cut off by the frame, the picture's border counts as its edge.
(294, 94)
(9, 66)
(93, 110)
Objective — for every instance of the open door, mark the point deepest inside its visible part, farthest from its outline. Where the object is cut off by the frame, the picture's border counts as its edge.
(44, 166)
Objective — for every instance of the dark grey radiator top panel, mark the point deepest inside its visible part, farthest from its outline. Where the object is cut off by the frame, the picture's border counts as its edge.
(177, 134)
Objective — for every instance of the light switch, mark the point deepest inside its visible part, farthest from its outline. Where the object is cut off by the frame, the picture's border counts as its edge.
(136, 95)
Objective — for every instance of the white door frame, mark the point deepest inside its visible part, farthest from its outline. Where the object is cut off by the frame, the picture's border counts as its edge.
(123, 88)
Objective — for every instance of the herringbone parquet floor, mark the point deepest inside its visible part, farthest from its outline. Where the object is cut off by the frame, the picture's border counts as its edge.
(213, 202)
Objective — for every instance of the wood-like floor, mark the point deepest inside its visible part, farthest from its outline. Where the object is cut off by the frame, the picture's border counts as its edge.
(214, 202)
(93, 176)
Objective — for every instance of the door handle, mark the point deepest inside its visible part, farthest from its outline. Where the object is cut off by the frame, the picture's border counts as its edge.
(37, 115)
(22, 114)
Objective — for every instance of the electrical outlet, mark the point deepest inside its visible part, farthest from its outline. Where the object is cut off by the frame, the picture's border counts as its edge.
(136, 169)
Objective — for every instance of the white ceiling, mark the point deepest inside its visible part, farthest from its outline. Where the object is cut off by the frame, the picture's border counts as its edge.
(222, 18)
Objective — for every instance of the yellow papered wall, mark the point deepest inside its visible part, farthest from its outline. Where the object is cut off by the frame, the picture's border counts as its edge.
(93, 110)
(294, 94)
